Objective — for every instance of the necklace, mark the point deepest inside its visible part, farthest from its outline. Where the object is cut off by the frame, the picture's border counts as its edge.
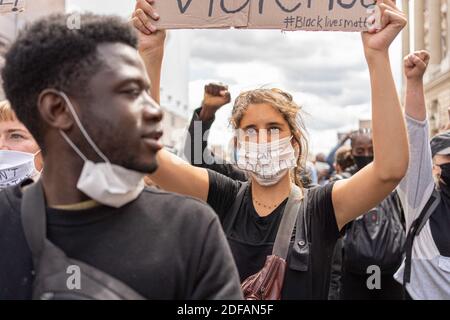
(270, 207)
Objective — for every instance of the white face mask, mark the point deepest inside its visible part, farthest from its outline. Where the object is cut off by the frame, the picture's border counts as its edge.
(15, 167)
(268, 163)
(106, 183)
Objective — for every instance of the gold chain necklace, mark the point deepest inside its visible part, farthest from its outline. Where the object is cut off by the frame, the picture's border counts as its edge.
(266, 206)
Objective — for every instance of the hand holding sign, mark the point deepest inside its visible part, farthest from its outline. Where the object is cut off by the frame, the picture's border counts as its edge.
(150, 39)
(392, 22)
(143, 15)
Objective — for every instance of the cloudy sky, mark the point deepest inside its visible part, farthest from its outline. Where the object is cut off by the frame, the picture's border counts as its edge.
(326, 72)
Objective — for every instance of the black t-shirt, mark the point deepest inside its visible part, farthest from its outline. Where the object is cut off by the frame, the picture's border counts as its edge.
(251, 237)
(162, 245)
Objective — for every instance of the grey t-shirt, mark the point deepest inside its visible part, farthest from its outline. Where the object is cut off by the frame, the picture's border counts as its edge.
(430, 270)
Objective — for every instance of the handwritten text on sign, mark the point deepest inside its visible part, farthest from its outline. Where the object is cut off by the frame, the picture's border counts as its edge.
(11, 5)
(317, 15)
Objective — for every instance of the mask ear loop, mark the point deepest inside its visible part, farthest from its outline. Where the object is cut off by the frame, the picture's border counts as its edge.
(34, 159)
(74, 147)
(83, 131)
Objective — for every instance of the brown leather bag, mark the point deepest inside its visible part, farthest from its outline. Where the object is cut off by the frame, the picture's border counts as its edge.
(267, 284)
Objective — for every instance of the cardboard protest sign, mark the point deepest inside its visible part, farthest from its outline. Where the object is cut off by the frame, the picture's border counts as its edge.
(11, 6)
(290, 15)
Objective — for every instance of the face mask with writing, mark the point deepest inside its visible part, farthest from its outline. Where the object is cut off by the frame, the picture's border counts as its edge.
(268, 163)
(104, 182)
(15, 167)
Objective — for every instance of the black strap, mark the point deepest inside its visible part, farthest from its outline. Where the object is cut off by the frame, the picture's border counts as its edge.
(302, 225)
(286, 228)
(33, 216)
(415, 229)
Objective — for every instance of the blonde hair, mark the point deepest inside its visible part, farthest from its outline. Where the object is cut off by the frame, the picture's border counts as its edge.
(6, 113)
(291, 112)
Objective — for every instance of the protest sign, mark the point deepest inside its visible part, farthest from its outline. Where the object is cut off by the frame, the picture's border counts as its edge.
(11, 6)
(312, 15)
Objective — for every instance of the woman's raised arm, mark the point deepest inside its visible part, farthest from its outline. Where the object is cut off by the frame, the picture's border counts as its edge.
(370, 186)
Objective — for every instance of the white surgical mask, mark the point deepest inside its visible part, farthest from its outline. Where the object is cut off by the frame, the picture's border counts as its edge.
(15, 167)
(268, 163)
(104, 182)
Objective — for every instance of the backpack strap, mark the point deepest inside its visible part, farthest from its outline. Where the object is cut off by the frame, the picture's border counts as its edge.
(286, 228)
(415, 229)
(51, 263)
(303, 220)
(33, 217)
(300, 255)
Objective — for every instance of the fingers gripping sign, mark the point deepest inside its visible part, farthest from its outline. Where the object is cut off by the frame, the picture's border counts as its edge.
(380, 36)
(143, 16)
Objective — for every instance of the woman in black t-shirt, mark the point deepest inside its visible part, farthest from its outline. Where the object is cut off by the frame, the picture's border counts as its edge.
(272, 146)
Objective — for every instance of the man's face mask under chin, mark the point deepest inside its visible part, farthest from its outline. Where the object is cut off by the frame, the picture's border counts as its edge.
(104, 182)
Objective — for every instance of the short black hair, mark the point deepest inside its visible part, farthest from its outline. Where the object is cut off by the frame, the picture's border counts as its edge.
(49, 54)
(355, 135)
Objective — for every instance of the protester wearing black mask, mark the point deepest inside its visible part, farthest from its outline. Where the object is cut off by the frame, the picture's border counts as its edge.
(426, 272)
(440, 151)
(362, 149)
(376, 238)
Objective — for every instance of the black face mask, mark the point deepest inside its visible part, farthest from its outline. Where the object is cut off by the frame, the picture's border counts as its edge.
(362, 161)
(445, 175)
